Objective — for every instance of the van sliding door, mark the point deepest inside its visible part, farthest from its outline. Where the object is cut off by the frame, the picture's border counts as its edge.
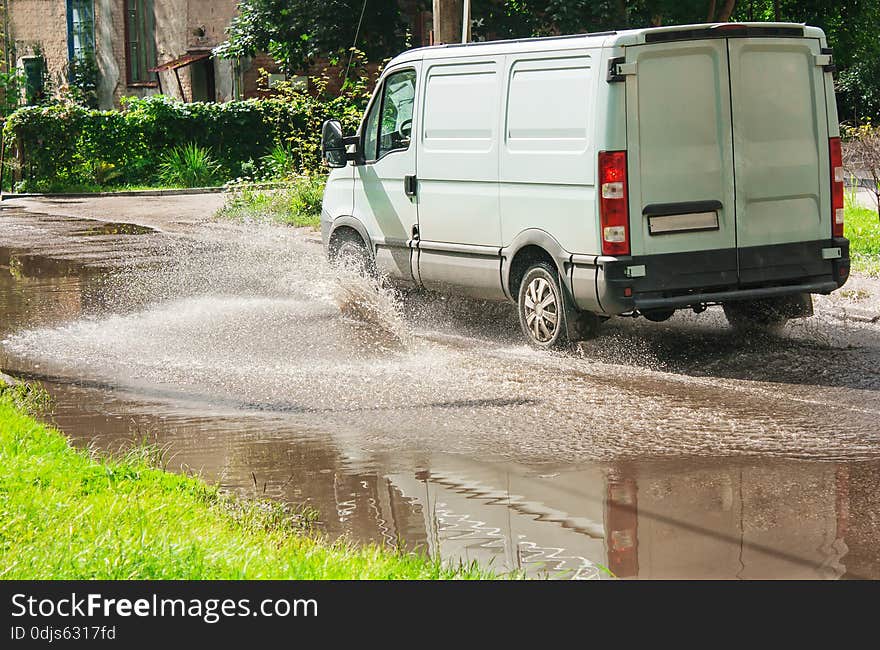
(459, 221)
(680, 159)
(780, 134)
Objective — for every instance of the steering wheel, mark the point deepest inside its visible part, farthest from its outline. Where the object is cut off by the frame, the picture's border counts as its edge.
(404, 131)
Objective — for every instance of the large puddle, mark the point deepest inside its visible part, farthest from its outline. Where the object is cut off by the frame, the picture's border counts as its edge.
(673, 450)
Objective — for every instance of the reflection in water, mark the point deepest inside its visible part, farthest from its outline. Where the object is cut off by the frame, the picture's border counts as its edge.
(670, 451)
(670, 519)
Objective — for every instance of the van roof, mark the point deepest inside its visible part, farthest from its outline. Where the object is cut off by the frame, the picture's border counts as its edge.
(613, 39)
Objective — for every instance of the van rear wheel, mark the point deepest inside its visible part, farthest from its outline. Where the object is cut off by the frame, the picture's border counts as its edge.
(541, 311)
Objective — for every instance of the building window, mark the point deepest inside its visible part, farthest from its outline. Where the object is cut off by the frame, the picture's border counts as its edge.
(140, 42)
(33, 70)
(80, 29)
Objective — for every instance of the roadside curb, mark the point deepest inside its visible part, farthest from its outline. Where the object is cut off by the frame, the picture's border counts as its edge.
(93, 195)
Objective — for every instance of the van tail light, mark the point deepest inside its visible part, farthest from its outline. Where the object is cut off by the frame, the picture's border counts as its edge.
(613, 204)
(837, 175)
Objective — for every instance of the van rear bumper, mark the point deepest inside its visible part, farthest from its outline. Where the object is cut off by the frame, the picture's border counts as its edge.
(677, 280)
(674, 302)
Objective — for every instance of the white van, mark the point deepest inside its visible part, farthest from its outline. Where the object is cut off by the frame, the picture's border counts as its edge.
(583, 177)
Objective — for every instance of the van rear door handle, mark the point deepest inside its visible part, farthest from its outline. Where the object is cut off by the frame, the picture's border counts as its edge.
(410, 184)
(686, 207)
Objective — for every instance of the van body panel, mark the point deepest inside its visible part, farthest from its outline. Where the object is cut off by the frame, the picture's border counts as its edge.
(781, 141)
(458, 152)
(338, 199)
(583, 287)
(472, 274)
(680, 148)
(548, 154)
(541, 239)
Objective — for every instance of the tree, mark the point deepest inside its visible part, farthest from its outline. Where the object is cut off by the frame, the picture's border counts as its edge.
(861, 158)
(850, 27)
(851, 30)
(296, 32)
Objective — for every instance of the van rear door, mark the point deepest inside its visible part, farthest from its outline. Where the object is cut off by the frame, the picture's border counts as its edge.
(780, 139)
(727, 140)
(680, 160)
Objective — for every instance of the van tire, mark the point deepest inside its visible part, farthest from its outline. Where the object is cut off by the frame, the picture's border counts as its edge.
(348, 249)
(751, 315)
(544, 327)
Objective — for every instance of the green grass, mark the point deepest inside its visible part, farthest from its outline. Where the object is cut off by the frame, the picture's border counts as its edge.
(295, 204)
(862, 228)
(69, 514)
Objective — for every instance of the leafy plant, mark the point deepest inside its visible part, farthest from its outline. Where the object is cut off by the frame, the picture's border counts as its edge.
(10, 91)
(295, 204)
(296, 32)
(103, 172)
(83, 87)
(280, 163)
(189, 166)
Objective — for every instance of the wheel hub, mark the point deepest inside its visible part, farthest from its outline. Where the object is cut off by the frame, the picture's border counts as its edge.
(541, 310)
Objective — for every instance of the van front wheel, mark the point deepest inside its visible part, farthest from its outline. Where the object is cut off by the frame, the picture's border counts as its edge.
(541, 311)
(348, 250)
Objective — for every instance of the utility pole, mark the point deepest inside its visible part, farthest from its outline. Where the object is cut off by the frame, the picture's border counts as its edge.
(447, 21)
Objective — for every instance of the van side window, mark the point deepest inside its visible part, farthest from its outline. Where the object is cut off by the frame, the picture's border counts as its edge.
(371, 129)
(397, 112)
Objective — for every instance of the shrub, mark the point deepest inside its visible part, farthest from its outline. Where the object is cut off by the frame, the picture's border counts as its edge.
(189, 166)
(58, 144)
(861, 157)
(280, 163)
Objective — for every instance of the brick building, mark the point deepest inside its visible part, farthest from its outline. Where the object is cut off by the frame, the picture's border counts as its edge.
(128, 39)
(141, 47)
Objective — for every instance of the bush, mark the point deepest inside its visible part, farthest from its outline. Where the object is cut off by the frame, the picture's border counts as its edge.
(280, 163)
(189, 166)
(861, 157)
(60, 144)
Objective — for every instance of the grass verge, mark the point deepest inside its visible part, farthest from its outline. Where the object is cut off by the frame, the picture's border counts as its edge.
(69, 514)
(862, 228)
(295, 204)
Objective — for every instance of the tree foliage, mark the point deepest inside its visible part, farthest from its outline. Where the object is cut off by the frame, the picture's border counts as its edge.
(851, 27)
(296, 32)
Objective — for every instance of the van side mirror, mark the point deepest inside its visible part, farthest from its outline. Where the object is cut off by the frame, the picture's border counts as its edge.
(333, 144)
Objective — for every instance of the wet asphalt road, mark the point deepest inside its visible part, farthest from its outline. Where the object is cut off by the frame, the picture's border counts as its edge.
(656, 450)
